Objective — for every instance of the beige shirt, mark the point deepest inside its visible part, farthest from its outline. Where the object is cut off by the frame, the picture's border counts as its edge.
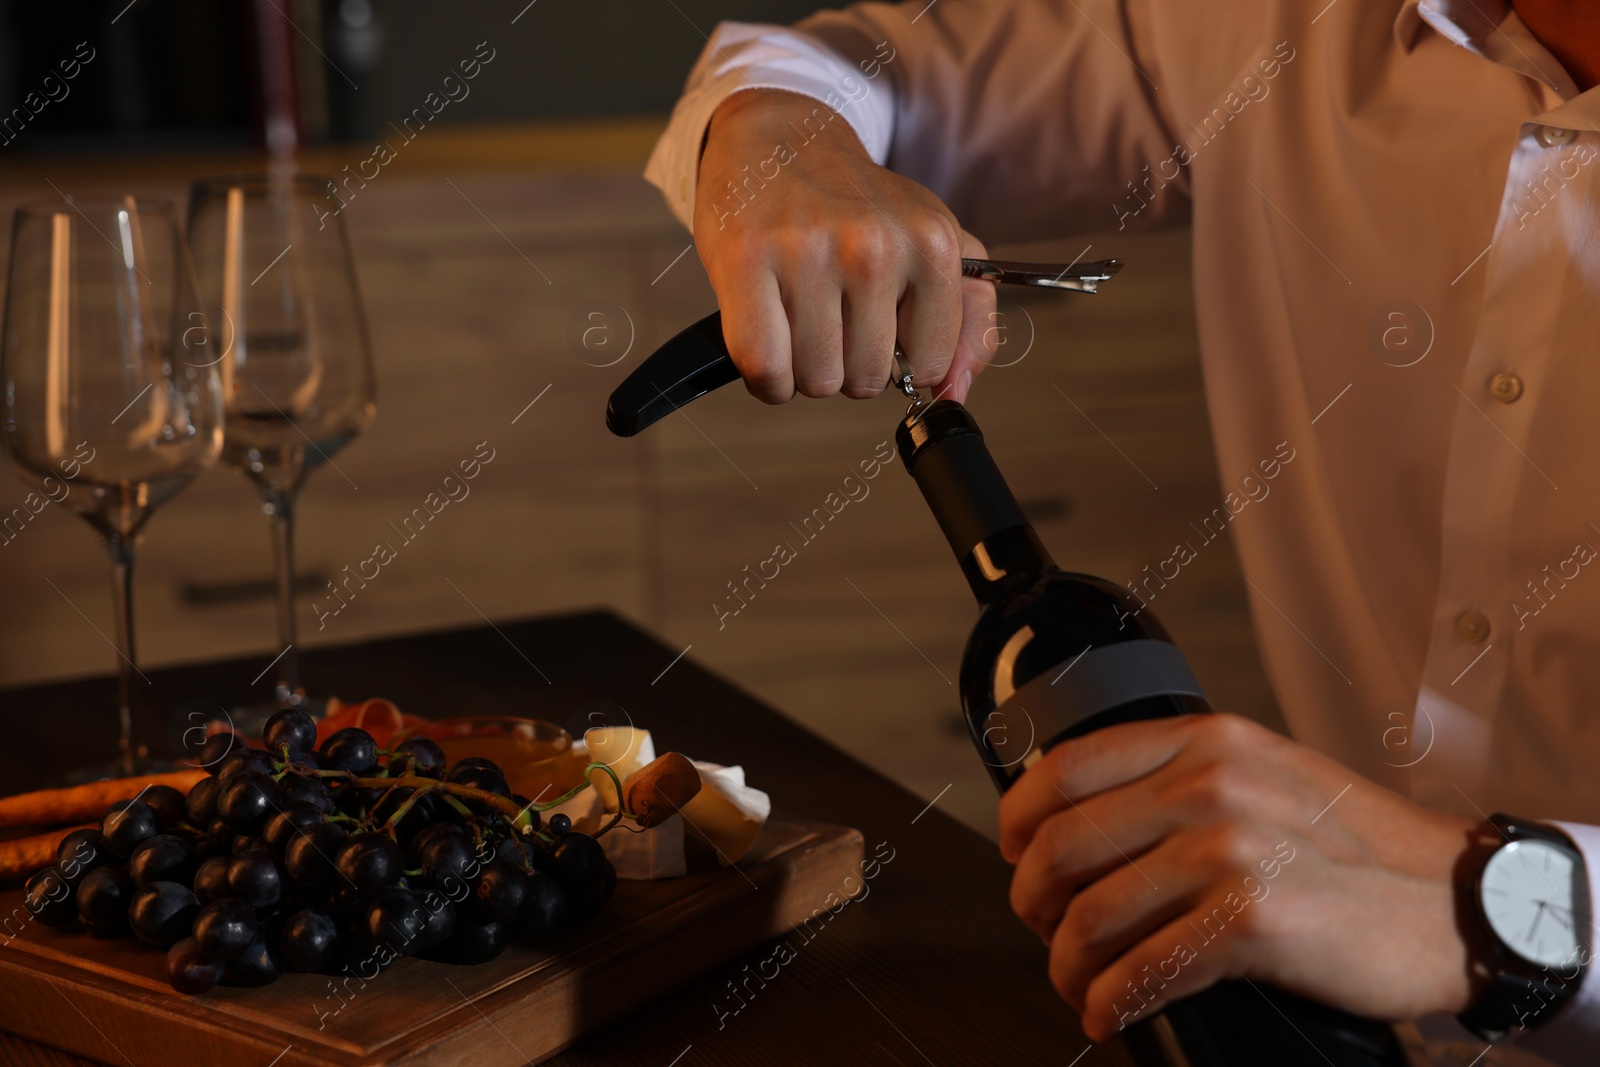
(1397, 271)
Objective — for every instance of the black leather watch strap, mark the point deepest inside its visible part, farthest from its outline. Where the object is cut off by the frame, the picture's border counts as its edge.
(1518, 994)
(1517, 1002)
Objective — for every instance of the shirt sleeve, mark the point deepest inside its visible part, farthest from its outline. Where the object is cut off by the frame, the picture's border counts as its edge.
(1030, 118)
(1573, 1032)
(742, 56)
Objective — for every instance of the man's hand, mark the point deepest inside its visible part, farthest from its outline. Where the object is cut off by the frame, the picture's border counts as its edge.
(1206, 847)
(821, 258)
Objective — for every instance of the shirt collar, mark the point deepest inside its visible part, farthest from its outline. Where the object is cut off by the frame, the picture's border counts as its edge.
(1463, 22)
(1491, 29)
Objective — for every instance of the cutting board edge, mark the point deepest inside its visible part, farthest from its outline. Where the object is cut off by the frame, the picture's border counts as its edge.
(842, 851)
(121, 1007)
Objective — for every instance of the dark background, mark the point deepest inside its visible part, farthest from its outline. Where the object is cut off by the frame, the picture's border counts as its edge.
(185, 73)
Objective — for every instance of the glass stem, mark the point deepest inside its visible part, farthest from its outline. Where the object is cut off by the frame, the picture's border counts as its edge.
(280, 505)
(121, 552)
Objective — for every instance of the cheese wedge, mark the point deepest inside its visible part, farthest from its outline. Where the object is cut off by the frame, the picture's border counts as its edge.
(726, 814)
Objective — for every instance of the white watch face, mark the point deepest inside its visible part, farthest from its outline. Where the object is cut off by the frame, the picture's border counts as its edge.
(1528, 893)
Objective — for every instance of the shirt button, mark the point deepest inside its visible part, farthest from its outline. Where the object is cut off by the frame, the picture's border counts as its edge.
(1505, 387)
(1554, 136)
(1472, 626)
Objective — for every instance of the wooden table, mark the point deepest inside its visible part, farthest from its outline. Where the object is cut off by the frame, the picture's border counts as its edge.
(931, 968)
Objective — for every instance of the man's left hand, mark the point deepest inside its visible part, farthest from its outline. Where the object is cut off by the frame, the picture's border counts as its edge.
(1156, 858)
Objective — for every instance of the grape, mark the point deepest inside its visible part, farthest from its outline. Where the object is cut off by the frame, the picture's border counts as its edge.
(485, 778)
(48, 898)
(291, 727)
(200, 807)
(500, 892)
(351, 749)
(258, 965)
(289, 823)
(163, 858)
(395, 917)
(544, 912)
(254, 877)
(579, 865)
(216, 748)
(240, 761)
(311, 791)
(211, 879)
(308, 940)
(276, 884)
(537, 851)
(80, 852)
(103, 899)
(422, 837)
(370, 861)
(419, 756)
(126, 824)
(190, 972)
(169, 805)
(422, 814)
(522, 851)
(448, 859)
(476, 761)
(247, 799)
(225, 928)
(471, 941)
(344, 900)
(162, 913)
(239, 844)
(206, 846)
(440, 915)
(309, 857)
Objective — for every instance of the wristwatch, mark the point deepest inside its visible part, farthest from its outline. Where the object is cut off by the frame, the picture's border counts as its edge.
(1530, 904)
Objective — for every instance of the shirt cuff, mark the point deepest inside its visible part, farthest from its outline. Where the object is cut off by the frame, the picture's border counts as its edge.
(1573, 1033)
(742, 56)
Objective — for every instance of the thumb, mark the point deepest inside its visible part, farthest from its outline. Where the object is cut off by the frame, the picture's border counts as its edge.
(978, 339)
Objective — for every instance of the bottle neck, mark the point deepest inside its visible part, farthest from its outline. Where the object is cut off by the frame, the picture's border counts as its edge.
(1003, 561)
(944, 450)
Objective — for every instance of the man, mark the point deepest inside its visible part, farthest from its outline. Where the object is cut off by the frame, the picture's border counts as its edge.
(1397, 267)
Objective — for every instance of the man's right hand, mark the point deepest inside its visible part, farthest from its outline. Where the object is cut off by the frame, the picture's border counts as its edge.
(821, 258)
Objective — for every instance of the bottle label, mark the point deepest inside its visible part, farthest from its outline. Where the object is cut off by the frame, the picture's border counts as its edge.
(1097, 680)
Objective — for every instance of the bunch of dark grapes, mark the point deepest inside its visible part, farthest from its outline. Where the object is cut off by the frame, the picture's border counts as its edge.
(343, 857)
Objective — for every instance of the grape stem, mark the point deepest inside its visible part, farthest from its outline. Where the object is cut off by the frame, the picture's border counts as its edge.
(454, 793)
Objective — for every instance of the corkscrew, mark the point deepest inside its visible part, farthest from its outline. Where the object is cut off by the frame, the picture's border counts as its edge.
(696, 360)
(902, 379)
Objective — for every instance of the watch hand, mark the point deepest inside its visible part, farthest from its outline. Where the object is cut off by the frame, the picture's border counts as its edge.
(1561, 915)
(1536, 917)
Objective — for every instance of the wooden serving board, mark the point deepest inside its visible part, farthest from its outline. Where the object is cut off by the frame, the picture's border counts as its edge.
(108, 1000)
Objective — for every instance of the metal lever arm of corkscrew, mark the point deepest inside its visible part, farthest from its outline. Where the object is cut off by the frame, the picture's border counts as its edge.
(696, 360)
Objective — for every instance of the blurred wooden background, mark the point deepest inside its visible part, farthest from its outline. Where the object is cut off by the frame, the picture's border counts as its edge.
(476, 252)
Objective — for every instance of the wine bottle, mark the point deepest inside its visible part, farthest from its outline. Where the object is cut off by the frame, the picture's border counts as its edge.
(1055, 655)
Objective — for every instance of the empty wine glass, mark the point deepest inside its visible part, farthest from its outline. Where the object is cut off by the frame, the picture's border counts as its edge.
(274, 266)
(105, 395)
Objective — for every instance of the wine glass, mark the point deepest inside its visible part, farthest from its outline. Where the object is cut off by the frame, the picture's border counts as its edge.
(108, 407)
(274, 265)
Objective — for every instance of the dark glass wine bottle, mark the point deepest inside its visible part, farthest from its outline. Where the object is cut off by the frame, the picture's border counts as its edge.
(1055, 655)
